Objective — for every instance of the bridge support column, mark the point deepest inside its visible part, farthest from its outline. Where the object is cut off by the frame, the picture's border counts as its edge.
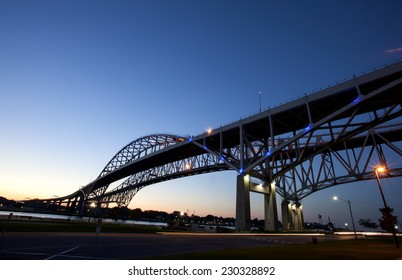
(243, 216)
(270, 209)
(68, 204)
(298, 216)
(98, 208)
(287, 216)
(82, 206)
(71, 205)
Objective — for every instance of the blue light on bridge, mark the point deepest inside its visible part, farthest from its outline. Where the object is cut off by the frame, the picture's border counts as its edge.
(356, 100)
(190, 139)
(308, 128)
(241, 170)
(268, 154)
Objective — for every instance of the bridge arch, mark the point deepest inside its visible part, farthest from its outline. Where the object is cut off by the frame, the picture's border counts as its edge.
(141, 147)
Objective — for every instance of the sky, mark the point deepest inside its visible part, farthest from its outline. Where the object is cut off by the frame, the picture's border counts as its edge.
(80, 79)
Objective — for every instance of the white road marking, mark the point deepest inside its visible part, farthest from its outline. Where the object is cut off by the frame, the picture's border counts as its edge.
(24, 253)
(49, 258)
(64, 256)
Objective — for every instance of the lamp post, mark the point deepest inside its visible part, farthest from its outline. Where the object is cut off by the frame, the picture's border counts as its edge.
(351, 214)
(377, 170)
(380, 170)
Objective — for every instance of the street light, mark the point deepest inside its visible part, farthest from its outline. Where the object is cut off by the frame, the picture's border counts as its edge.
(377, 170)
(351, 215)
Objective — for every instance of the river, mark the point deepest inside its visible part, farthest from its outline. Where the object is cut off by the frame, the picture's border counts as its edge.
(79, 218)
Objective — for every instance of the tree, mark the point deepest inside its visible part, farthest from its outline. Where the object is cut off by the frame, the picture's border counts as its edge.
(210, 218)
(367, 223)
(135, 214)
(118, 213)
(388, 221)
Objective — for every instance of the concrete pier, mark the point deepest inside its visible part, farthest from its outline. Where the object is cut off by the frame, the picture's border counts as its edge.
(243, 216)
(270, 209)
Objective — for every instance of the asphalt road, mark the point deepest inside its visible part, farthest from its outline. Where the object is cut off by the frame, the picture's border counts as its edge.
(69, 246)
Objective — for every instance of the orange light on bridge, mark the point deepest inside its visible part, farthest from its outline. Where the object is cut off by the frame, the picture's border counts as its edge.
(380, 169)
(209, 131)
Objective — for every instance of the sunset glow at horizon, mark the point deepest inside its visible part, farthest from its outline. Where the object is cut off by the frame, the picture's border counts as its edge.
(81, 79)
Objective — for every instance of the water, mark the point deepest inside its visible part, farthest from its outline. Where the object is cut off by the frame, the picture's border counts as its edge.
(77, 218)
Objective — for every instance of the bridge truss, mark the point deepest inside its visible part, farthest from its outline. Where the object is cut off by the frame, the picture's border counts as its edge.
(332, 137)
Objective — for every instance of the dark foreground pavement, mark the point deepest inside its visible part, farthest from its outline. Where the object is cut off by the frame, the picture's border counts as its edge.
(69, 246)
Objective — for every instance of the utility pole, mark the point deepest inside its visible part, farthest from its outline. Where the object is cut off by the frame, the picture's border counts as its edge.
(388, 211)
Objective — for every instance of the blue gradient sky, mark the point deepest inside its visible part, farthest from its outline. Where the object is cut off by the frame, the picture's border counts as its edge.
(81, 79)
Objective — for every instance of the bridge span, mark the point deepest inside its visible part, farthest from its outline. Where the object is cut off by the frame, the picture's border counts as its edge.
(330, 137)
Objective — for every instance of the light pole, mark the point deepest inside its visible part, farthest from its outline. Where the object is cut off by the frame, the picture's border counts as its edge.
(377, 170)
(350, 210)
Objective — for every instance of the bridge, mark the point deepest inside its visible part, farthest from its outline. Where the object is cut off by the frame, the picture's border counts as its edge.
(330, 137)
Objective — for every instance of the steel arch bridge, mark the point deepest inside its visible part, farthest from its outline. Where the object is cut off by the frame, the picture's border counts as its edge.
(330, 137)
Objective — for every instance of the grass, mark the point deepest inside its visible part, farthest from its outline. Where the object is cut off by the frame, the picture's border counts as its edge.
(371, 249)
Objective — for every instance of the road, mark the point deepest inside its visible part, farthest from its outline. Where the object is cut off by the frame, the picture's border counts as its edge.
(67, 246)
